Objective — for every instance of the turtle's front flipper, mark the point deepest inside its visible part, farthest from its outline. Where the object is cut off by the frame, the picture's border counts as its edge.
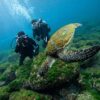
(45, 66)
(81, 55)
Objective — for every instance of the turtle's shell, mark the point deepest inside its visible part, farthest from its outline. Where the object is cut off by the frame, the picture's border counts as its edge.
(61, 38)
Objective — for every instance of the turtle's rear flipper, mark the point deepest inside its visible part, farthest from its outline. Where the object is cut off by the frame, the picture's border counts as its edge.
(80, 55)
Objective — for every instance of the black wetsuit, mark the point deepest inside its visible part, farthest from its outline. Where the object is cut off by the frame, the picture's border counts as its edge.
(25, 47)
(41, 30)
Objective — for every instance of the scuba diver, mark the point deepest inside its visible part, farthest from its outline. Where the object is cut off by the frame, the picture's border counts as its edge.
(40, 30)
(26, 47)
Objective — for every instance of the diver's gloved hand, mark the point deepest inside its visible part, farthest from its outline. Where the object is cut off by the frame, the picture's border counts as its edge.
(46, 39)
(36, 50)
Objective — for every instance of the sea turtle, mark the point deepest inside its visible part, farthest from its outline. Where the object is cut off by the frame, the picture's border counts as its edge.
(56, 48)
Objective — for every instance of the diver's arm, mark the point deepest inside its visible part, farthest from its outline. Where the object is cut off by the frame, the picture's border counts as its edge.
(17, 48)
(32, 41)
(36, 46)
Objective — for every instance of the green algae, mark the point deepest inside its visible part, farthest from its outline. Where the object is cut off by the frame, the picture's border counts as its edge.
(4, 93)
(89, 78)
(60, 71)
(28, 95)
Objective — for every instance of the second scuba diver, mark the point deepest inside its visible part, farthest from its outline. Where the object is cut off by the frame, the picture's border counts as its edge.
(40, 30)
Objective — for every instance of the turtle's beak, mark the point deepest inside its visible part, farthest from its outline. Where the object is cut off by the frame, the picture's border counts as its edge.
(78, 25)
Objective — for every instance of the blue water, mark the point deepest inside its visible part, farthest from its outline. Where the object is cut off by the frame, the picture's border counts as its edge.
(16, 15)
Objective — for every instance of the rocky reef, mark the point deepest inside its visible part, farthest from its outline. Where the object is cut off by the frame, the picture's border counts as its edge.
(63, 81)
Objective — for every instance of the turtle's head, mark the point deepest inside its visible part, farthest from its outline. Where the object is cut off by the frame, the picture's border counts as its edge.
(77, 25)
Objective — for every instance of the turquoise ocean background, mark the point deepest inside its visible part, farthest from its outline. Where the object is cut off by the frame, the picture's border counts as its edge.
(16, 15)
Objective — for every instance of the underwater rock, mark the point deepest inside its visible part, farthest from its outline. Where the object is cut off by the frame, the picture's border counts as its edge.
(59, 75)
(4, 94)
(8, 74)
(85, 96)
(2, 83)
(13, 57)
(2, 70)
(90, 78)
(28, 95)
(11, 76)
(68, 93)
(96, 84)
